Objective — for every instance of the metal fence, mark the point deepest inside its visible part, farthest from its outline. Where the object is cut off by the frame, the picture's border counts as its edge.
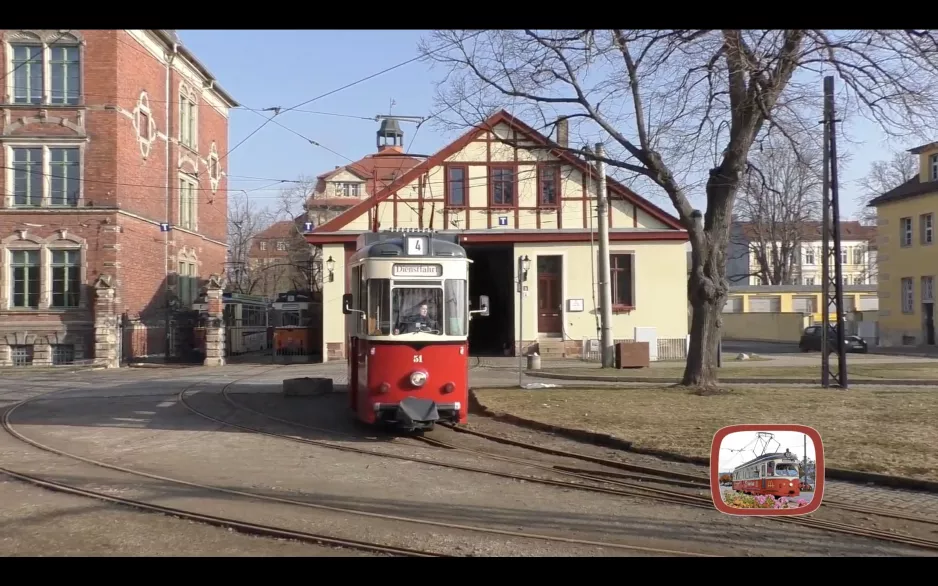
(152, 341)
(668, 349)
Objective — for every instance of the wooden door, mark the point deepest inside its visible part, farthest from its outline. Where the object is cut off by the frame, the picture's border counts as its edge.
(549, 295)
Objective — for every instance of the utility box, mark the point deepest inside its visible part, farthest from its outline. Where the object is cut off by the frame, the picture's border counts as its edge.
(632, 355)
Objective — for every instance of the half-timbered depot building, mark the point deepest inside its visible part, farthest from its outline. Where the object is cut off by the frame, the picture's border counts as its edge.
(511, 193)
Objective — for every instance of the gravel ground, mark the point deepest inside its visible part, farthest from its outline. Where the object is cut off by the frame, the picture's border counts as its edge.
(156, 435)
(39, 523)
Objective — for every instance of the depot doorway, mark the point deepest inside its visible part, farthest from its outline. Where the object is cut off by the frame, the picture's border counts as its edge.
(492, 273)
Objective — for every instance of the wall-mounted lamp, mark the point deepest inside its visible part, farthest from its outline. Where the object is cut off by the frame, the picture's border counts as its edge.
(525, 267)
(330, 267)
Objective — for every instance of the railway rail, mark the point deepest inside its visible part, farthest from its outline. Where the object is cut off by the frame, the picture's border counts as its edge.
(235, 524)
(224, 522)
(625, 488)
(669, 476)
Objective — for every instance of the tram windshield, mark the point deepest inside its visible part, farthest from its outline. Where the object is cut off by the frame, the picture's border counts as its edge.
(786, 470)
(435, 307)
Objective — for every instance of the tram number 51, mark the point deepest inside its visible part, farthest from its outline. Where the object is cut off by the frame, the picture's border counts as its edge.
(418, 358)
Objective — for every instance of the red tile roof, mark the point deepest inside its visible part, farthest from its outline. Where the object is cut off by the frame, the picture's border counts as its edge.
(851, 230)
(382, 167)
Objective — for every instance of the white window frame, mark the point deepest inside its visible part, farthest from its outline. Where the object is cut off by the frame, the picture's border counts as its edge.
(46, 198)
(188, 118)
(349, 189)
(934, 167)
(809, 256)
(46, 41)
(188, 204)
(858, 255)
(928, 228)
(908, 294)
(843, 256)
(809, 280)
(281, 245)
(262, 245)
(905, 227)
(60, 240)
(187, 281)
(928, 289)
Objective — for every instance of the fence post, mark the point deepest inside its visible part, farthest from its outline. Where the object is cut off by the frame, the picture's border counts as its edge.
(214, 326)
(105, 324)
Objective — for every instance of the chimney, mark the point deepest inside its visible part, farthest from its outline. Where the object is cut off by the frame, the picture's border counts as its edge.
(563, 132)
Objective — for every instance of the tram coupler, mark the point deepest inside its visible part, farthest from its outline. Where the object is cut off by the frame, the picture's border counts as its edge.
(415, 413)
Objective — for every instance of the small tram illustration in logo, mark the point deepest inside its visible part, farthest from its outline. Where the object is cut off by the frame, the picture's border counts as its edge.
(767, 470)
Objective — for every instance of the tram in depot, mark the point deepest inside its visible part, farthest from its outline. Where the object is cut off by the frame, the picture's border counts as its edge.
(245, 321)
(293, 325)
(407, 322)
(770, 474)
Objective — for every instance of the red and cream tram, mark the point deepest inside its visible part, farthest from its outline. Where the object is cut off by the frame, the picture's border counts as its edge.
(775, 474)
(408, 320)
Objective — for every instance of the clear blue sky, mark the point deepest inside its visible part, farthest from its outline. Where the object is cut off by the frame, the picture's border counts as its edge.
(270, 68)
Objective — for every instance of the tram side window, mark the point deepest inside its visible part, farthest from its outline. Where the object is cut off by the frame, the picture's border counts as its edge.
(378, 315)
(358, 297)
(457, 306)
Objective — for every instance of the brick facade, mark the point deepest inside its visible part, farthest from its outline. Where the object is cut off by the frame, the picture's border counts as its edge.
(103, 212)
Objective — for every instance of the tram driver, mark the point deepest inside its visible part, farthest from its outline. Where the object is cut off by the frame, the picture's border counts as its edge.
(422, 322)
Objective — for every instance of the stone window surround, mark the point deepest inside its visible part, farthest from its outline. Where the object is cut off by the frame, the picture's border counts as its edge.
(213, 159)
(60, 240)
(45, 38)
(188, 92)
(42, 345)
(9, 198)
(145, 136)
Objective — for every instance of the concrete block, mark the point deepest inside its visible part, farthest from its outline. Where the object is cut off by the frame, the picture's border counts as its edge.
(299, 387)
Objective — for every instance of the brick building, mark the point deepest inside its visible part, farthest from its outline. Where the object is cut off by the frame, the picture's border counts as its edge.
(105, 135)
(279, 260)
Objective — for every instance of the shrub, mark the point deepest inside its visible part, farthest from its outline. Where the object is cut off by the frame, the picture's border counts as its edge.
(743, 501)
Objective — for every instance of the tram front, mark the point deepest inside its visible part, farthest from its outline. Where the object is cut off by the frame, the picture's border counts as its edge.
(409, 354)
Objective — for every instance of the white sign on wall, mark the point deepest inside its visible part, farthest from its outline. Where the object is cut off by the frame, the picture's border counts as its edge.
(575, 305)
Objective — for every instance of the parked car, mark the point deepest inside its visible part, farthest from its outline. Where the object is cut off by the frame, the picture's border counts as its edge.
(811, 341)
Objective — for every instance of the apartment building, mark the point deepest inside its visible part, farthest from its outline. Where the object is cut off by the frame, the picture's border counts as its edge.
(908, 263)
(857, 255)
(113, 148)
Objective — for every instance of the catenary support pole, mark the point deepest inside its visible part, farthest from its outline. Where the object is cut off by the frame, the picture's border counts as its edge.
(605, 284)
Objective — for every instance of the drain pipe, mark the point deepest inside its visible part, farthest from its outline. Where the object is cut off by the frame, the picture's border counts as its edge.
(169, 125)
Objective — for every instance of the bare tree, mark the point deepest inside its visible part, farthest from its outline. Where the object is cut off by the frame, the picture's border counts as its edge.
(882, 177)
(245, 221)
(779, 197)
(683, 108)
(302, 261)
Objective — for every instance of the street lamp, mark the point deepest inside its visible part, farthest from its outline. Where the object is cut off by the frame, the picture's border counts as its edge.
(330, 265)
(522, 277)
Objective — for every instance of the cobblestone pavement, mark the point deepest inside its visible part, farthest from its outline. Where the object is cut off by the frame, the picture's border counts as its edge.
(267, 378)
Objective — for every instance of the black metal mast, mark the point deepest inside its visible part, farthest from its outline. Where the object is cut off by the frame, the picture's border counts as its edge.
(832, 283)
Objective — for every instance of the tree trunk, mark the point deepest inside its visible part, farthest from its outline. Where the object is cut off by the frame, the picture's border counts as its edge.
(707, 287)
(705, 335)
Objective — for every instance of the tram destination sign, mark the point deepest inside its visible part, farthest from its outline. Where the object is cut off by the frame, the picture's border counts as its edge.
(415, 270)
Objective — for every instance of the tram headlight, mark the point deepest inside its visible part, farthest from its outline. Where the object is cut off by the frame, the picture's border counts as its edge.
(418, 379)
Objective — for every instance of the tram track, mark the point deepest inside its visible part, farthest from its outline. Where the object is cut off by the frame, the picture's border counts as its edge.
(666, 475)
(239, 525)
(624, 488)
(244, 527)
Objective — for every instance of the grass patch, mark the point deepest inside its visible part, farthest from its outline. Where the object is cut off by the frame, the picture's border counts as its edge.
(891, 432)
(894, 371)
